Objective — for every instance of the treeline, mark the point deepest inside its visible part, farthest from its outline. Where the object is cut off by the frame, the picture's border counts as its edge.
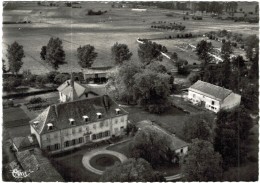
(168, 26)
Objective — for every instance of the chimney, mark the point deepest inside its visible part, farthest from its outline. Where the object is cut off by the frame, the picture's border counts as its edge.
(105, 101)
(72, 80)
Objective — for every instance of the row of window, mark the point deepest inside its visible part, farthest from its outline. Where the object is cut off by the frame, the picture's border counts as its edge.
(212, 102)
(73, 142)
(53, 147)
(100, 135)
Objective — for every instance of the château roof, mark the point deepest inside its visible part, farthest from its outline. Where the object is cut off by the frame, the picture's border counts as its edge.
(210, 90)
(59, 114)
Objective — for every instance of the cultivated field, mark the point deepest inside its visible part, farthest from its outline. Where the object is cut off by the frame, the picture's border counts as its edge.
(75, 29)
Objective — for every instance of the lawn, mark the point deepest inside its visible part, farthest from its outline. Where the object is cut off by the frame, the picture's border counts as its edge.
(70, 166)
(15, 116)
(103, 161)
(172, 120)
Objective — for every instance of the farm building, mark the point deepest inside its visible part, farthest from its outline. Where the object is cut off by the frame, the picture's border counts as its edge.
(71, 90)
(68, 125)
(97, 75)
(212, 97)
(179, 146)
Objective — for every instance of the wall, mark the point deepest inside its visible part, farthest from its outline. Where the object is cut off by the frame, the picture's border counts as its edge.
(208, 101)
(117, 123)
(231, 101)
(50, 139)
(33, 131)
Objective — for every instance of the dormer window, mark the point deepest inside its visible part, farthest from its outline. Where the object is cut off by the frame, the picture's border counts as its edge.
(118, 111)
(85, 118)
(99, 115)
(50, 126)
(72, 121)
(35, 123)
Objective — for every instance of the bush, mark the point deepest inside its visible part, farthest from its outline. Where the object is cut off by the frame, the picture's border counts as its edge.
(36, 100)
(41, 80)
(51, 76)
(11, 83)
(8, 103)
(61, 78)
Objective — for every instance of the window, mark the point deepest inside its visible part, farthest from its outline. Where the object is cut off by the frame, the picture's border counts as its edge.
(55, 135)
(73, 141)
(122, 119)
(48, 148)
(80, 139)
(107, 133)
(57, 146)
(115, 120)
(181, 150)
(106, 122)
(100, 135)
(80, 129)
(73, 131)
(212, 102)
(117, 111)
(72, 121)
(99, 115)
(85, 118)
(50, 126)
(94, 137)
(101, 124)
(66, 144)
(122, 128)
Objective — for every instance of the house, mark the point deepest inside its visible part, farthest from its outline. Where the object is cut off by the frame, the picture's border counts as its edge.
(71, 90)
(212, 97)
(72, 124)
(38, 167)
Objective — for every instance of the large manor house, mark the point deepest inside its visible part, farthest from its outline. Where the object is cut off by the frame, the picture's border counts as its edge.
(77, 120)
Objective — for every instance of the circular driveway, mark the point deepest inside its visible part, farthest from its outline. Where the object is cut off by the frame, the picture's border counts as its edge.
(86, 158)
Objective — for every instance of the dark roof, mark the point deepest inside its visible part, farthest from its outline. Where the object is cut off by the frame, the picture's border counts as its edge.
(41, 168)
(177, 143)
(25, 142)
(59, 114)
(210, 90)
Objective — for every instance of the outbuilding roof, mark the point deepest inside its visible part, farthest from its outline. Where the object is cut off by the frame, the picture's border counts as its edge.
(40, 168)
(59, 114)
(210, 90)
(25, 142)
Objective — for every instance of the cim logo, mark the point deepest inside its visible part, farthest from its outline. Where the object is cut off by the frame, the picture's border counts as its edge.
(18, 174)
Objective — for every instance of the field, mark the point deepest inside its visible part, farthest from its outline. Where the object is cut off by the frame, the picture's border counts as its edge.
(75, 29)
(14, 117)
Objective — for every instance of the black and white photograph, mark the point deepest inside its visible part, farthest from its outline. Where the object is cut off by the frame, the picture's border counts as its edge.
(130, 91)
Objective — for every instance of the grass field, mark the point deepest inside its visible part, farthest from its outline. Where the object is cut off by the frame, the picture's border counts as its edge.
(13, 117)
(75, 28)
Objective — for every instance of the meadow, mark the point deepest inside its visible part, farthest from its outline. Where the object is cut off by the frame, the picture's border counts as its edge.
(75, 28)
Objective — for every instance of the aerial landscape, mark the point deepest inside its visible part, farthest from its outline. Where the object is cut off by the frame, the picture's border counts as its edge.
(121, 91)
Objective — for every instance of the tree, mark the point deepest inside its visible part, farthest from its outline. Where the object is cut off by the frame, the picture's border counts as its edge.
(174, 56)
(232, 129)
(43, 52)
(202, 163)
(198, 126)
(15, 54)
(152, 90)
(226, 51)
(152, 145)
(61, 78)
(149, 51)
(55, 54)
(132, 170)
(120, 53)
(203, 49)
(11, 83)
(252, 46)
(86, 55)
(4, 66)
